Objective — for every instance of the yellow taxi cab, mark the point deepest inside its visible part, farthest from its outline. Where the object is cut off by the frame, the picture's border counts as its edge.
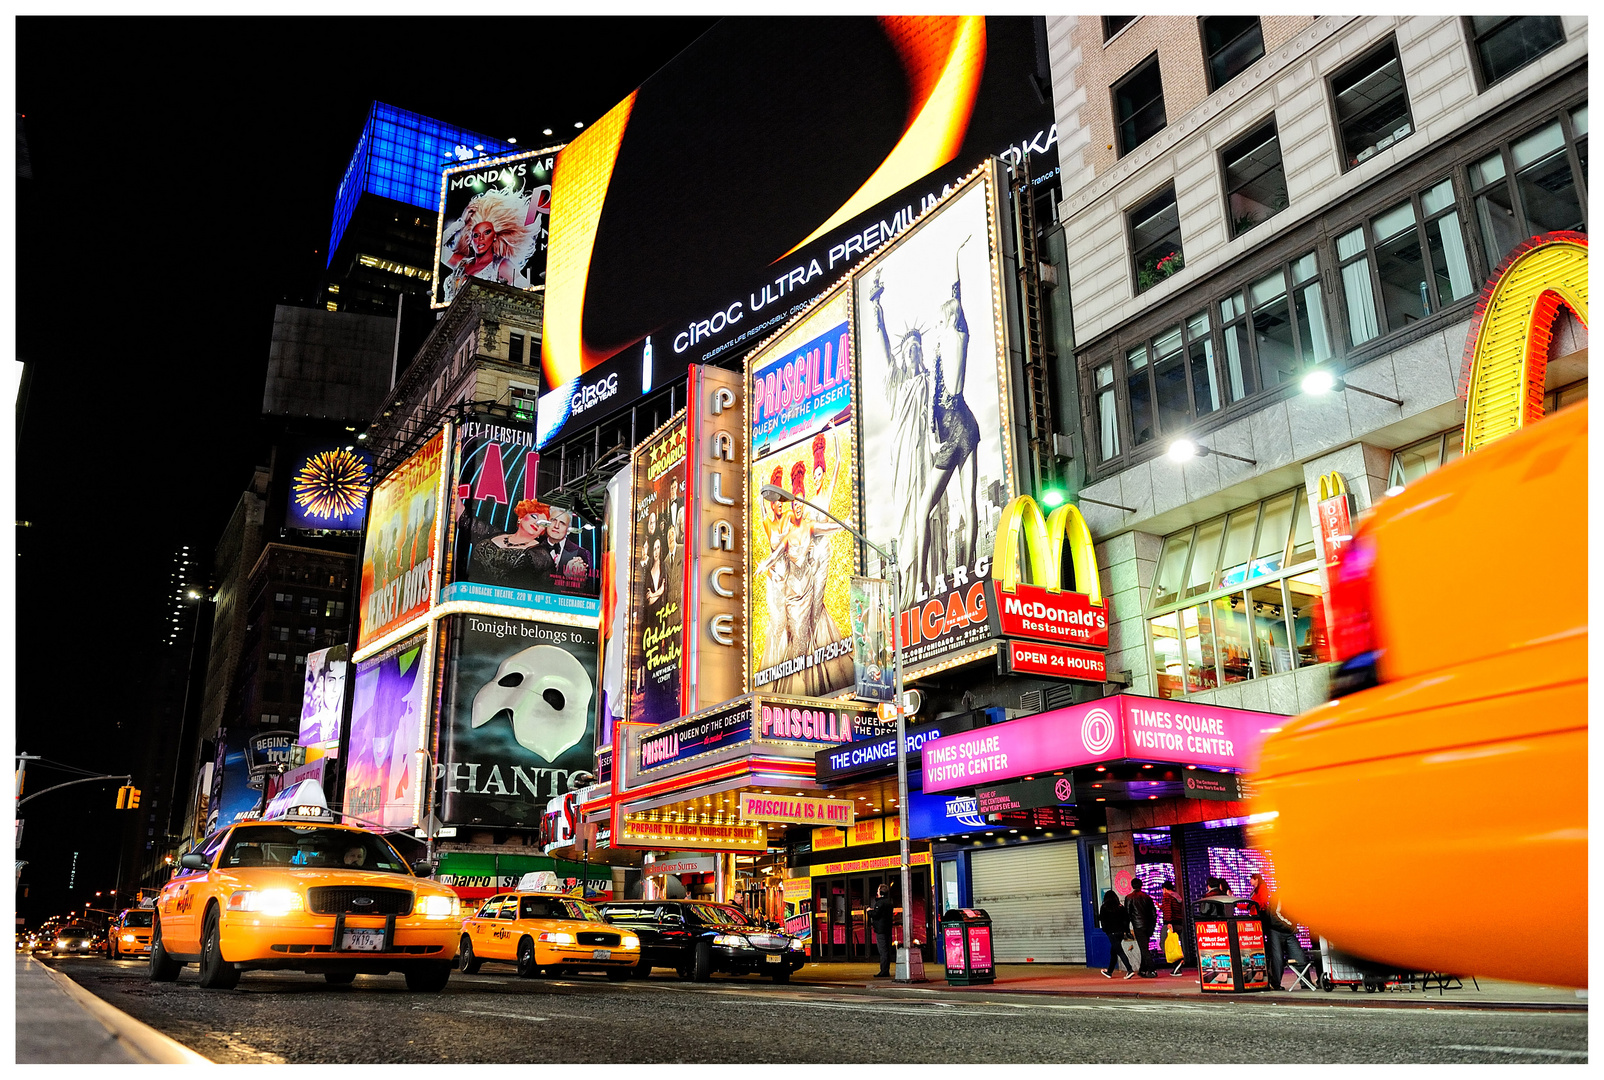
(543, 931)
(1426, 816)
(129, 934)
(302, 895)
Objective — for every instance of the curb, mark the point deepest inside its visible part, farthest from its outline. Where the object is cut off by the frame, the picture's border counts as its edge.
(1301, 998)
(144, 1044)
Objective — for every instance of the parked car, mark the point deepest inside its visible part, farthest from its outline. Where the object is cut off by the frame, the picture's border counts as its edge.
(1460, 612)
(74, 940)
(543, 932)
(323, 898)
(129, 934)
(697, 938)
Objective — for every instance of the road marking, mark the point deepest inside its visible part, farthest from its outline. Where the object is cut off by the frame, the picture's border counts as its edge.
(508, 1015)
(1539, 1051)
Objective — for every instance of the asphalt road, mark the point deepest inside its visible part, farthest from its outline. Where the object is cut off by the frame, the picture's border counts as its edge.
(288, 1017)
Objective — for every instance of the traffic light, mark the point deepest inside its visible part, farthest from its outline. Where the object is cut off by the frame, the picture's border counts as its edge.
(122, 796)
(133, 798)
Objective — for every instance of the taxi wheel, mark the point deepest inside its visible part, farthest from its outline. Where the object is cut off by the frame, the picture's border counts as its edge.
(643, 970)
(162, 967)
(111, 952)
(467, 963)
(702, 963)
(619, 974)
(527, 967)
(428, 978)
(782, 976)
(339, 978)
(215, 972)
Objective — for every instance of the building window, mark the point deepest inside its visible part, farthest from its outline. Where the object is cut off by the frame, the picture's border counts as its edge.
(334, 609)
(524, 402)
(1238, 597)
(279, 633)
(1113, 24)
(269, 718)
(515, 348)
(1529, 186)
(1155, 227)
(1107, 413)
(1372, 104)
(1411, 257)
(1507, 43)
(1230, 44)
(1412, 462)
(1255, 180)
(300, 661)
(309, 605)
(1172, 380)
(276, 658)
(1139, 105)
(283, 600)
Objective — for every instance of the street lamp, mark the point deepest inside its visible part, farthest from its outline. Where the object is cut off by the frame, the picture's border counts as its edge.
(1184, 449)
(1322, 381)
(774, 494)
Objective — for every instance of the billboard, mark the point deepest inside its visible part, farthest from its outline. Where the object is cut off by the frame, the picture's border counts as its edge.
(494, 223)
(800, 436)
(519, 727)
(509, 549)
(232, 796)
(323, 697)
(912, 104)
(399, 558)
(616, 549)
(386, 711)
(874, 651)
(328, 487)
(932, 363)
(657, 576)
(715, 605)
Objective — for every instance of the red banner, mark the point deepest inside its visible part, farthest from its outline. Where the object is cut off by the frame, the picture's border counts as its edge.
(1336, 526)
(1067, 618)
(1034, 658)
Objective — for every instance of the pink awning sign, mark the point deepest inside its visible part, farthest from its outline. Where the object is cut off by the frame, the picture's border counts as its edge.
(1109, 729)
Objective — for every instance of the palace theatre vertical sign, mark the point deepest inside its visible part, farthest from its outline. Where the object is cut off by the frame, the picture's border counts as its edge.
(714, 602)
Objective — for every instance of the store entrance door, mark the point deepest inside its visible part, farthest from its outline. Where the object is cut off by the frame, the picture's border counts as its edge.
(841, 908)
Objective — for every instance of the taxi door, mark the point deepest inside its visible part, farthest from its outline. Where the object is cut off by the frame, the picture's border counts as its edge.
(481, 925)
(183, 900)
(503, 930)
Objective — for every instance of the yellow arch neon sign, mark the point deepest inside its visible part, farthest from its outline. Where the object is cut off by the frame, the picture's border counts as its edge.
(1506, 352)
(1331, 485)
(1044, 545)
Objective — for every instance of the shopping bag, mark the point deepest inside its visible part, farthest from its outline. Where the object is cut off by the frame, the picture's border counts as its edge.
(1133, 952)
(1172, 946)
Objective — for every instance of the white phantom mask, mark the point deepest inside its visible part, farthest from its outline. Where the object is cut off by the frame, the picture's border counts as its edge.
(548, 694)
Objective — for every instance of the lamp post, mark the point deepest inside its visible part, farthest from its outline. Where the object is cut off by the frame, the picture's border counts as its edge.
(774, 494)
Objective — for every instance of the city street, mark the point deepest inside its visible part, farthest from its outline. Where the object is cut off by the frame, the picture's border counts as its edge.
(496, 1017)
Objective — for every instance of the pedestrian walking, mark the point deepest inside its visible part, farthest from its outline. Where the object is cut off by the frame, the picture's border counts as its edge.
(880, 916)
(1112, 921)
(1143, 914)
(1174, 908)
(1280, 940)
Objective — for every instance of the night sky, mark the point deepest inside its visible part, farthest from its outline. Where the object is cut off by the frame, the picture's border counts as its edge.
(184, 173)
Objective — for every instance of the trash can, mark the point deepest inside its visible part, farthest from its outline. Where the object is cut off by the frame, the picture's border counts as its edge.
(1230, 945)
(966, 947)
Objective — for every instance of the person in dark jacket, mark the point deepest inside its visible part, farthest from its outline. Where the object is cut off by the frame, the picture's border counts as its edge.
(1111, 919)
(880, 916)
(1143, 914)
(1175, 918)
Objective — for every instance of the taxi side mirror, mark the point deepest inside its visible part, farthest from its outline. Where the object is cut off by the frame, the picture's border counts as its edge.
(424, 868)
(193, 861)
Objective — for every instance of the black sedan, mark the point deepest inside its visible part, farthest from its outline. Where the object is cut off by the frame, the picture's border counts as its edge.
(697, 938)
(75, 940)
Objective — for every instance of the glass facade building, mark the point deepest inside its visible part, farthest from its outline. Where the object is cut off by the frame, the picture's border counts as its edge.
(399, 156)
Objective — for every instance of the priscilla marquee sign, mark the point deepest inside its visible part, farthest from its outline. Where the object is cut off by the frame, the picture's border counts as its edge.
(1123, 726)
(798, 810)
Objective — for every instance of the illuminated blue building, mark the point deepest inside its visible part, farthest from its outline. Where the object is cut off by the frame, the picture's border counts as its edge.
(382, 240)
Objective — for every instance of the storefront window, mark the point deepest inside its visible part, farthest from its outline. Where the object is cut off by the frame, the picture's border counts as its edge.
(1274, 626)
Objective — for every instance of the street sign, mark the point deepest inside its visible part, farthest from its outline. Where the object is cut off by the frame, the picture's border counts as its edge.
(1224, 787)
(911, 701)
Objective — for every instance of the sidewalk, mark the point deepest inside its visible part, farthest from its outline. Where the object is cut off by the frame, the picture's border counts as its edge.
(1071, 979)
(61, 1023)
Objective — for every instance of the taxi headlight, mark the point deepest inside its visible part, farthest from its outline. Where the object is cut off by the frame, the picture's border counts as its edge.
(128, 937)
(631, 942)
(61, 943)
(558, 939)
(796, 945)
(733, 940)
(438, 906)
(266, 901)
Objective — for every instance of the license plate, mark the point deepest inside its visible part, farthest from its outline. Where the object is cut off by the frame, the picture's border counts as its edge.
(602, 954)
(772, 959)
(362, 941)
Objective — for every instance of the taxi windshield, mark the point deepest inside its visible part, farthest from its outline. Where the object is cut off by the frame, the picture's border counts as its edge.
(556, 907)
(299, 846)
(139, 918)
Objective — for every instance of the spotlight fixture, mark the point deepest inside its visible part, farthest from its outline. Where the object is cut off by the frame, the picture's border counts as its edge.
(1184, 449)
(1321, 381)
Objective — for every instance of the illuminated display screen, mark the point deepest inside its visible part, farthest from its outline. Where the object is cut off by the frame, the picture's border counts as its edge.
(328, 488)
(385, 711)
(398, 562)
(400, 155)
(494, 218)
(801, 145)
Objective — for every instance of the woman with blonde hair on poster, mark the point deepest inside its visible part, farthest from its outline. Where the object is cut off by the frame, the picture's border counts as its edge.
(494, 238)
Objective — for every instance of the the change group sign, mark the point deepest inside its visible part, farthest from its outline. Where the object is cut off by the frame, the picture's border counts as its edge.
(1123, 726)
